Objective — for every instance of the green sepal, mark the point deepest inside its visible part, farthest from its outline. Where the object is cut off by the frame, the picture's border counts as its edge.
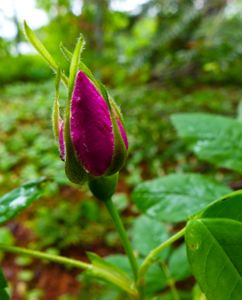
(120, 152)
(74, 65)
(103, 187)
(56, 106)
(73, 167)
(117, 110)
(100, 87)
(44, 53)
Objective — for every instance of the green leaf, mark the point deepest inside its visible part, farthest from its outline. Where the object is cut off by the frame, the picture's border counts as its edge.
(229, 207)
(6, 236)
(176, 197)
(214, 251)
(44, 53)
(213, 138)
(197, 293)
(4, 295)
(178, 264)
(3, 285)
(155, 279)
(147, 234)
(3, 281)
(17, 200)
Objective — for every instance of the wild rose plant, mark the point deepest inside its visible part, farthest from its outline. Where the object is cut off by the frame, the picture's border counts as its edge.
(93, 145)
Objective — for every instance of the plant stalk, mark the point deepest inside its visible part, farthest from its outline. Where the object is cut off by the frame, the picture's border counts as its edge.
(97, 271)
(50, 257)
(123, 235)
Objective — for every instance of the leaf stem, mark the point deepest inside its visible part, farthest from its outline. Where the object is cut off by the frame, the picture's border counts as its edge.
(47, 256)
(96, 271)
(123, 235)
(152, 256)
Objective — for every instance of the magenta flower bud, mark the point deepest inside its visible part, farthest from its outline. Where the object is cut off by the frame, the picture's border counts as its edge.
(96, 138)
(92, 129)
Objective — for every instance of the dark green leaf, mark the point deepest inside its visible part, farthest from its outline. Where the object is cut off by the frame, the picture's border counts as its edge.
(4, 295)
(214, 251)
(3, 286)
(175, 198)
(148, 234)
(17, 200)
(178, 264)
(3, 281)
(213, 138)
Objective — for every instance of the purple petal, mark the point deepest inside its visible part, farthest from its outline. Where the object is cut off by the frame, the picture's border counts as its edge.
(61, 139)
(91, 127)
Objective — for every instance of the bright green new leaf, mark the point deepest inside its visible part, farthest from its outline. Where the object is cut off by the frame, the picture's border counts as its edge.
(176, 197)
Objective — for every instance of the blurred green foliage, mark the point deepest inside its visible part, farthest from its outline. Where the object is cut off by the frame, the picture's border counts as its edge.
(183, 41)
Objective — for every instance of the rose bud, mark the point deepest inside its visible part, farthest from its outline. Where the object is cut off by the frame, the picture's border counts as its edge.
(94, 142)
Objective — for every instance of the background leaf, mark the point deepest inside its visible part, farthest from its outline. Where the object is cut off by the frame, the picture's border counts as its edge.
(148, 234)
(176, 197)
(178, 264)
(213, 138)
(155, 278)
(17, 200)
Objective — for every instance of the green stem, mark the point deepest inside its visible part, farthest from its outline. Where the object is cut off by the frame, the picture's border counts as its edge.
(171, 282)
(49, 257)
(123, 235)
(100, 272)
(152, 256)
